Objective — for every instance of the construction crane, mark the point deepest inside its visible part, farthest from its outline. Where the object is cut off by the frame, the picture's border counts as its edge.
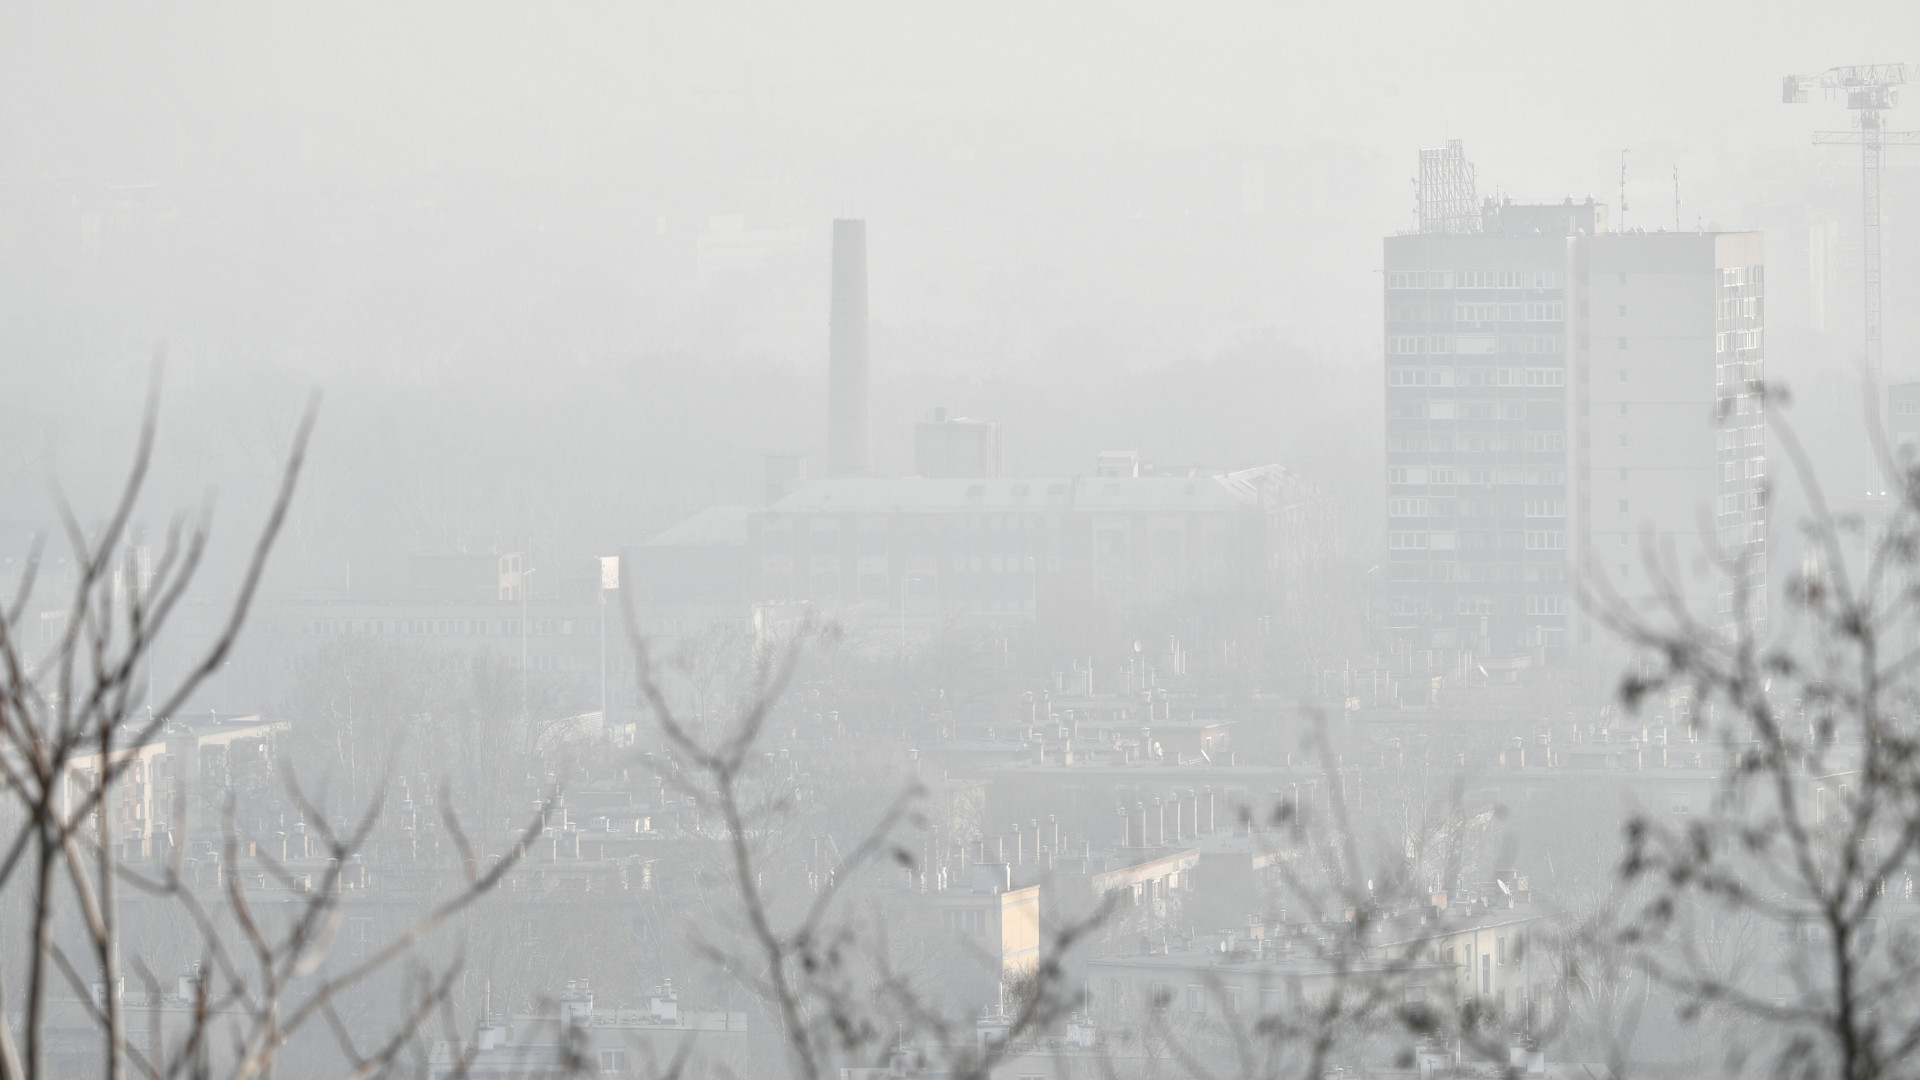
(1870, 90)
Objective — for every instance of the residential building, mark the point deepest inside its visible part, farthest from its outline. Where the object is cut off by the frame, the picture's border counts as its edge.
(1565, 407)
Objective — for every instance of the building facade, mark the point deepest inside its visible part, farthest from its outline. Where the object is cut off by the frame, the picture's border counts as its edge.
(1570, 412)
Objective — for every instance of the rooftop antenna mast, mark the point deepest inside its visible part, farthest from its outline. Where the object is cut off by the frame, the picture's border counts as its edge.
(1870, 89)
(1448, 200)
(1623, 191)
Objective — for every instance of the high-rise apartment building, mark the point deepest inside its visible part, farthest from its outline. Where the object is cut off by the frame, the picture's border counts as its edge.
(1563, 403)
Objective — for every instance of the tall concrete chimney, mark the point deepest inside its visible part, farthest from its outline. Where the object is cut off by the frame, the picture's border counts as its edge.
(849, 438)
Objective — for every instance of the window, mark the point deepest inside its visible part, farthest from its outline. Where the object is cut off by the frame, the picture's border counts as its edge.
(1546, 541)
(1233, 999)
(1623, 408)
(1546, 605)
(1401, 508)
(1623, 374)
(1416, 279)
(1441, 475)
(1546, 377)
(1196, 999)
(1486, 313)
(1623, 506)
(1546, 312)
(613, 1061)
(1546, 508)
(1623, 343)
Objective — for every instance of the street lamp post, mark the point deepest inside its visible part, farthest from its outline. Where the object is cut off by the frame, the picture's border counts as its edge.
(525, 697)
(609, 579)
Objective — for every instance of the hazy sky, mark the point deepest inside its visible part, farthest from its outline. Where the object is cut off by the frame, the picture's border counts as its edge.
(465, 221)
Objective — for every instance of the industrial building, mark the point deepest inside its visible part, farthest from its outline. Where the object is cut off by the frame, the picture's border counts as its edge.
(914, 546)
(1571, 412)
(958, 537)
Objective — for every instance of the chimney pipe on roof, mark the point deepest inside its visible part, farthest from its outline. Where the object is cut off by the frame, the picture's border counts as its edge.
(849, 437)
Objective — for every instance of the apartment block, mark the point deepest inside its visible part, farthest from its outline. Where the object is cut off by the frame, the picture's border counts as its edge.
(1571, 415)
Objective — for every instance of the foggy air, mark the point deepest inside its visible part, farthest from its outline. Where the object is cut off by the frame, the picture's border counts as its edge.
(1049, 541)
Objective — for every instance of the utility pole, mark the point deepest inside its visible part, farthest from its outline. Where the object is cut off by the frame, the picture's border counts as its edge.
(1623, 191)
(525, 698)
(609, 580)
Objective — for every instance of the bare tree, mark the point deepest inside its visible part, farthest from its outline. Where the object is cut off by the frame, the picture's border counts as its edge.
(74, 731)
(821, 964)
(1785, 908)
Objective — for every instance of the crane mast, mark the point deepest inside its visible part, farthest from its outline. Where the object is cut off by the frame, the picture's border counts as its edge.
(1870, 90)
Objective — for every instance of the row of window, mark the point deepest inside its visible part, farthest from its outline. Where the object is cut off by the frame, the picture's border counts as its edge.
(1505, 376)
(1480, 605)
(1475, 344)
(1448, 474)
(1488, 313)
(1544, 412)
(1424, 442)
(1419, 508)
(1734, 340)
(1530, 540)
(1475, 279)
